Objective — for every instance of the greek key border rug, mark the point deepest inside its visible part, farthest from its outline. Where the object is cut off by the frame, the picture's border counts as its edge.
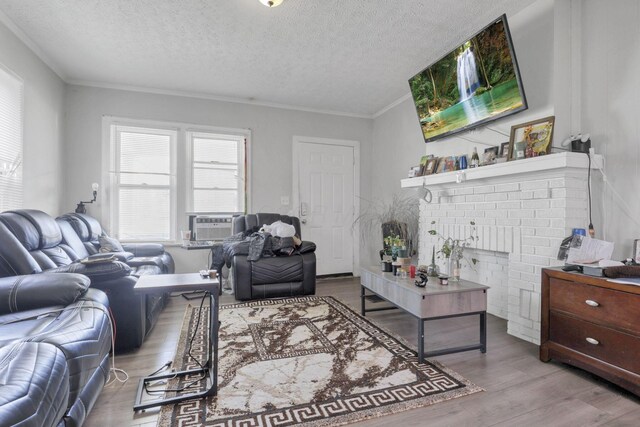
(308, 361)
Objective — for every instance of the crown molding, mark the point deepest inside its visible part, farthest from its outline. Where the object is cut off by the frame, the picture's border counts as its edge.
(390, 106)
(22, 36)
(188, 94)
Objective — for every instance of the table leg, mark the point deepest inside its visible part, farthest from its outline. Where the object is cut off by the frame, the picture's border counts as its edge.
(420, 341)
(483, 332)
(362, 301)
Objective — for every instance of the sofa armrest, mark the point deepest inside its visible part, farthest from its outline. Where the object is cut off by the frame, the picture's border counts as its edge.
(20, 293)
(144, 249)
(120, 256)
(100, 272)
(306, 247)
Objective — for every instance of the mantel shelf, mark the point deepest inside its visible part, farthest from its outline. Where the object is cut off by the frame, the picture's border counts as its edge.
(535, 164)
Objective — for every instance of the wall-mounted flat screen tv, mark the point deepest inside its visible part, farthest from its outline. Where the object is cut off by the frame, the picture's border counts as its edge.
(476, 83)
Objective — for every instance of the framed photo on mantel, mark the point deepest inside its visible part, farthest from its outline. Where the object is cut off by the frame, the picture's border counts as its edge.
(531, 139)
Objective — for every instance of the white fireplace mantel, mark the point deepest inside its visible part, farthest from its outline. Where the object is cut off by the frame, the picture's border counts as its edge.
(521, 211)
(534, 164)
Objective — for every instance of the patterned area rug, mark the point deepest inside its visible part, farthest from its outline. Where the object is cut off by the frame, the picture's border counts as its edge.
(308, 361)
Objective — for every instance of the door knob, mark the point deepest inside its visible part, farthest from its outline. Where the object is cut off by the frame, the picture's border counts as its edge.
(304, 221)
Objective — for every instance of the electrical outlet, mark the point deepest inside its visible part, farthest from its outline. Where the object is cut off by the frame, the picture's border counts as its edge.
(284, 200)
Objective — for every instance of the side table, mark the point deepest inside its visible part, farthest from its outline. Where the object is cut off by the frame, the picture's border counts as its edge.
(184, 283)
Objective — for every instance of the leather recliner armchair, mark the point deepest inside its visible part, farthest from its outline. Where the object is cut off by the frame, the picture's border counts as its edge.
(271, 277)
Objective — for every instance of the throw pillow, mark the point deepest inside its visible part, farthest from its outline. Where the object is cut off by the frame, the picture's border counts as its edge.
(109, 244)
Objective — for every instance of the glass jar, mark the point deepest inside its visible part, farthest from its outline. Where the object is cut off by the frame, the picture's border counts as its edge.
(455, 267)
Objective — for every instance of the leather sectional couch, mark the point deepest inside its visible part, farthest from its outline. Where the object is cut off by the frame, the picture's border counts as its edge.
(55, 337)
(33, 242)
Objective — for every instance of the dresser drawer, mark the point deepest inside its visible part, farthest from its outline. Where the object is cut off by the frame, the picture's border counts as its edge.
(598, 305)
(611, 346)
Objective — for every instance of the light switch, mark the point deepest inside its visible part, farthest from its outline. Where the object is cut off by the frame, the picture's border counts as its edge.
(284, 200)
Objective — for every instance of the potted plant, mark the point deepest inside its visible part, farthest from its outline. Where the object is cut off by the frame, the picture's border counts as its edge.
(395, 220)
(453, 250)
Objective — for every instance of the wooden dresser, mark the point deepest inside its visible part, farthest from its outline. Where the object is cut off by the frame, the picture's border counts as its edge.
(593, 324)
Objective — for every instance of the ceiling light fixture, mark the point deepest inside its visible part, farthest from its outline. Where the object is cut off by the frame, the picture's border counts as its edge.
(271, 3)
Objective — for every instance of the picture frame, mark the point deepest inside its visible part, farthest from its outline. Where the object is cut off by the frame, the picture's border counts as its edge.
(430, 167)
(504, 150)
(441, 167)
(636, 250)
(423, 163)
(531, 139)
(415, 171)
(490, 155)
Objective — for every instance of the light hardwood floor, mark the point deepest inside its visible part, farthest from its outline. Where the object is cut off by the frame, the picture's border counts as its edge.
(520, 390)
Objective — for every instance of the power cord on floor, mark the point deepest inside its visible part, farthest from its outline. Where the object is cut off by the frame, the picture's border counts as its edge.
(189, 353)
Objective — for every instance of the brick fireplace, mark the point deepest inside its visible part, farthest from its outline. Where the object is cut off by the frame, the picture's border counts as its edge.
(522, 211)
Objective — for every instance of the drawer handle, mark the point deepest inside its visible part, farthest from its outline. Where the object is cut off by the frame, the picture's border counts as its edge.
(592, 341)
(592, 303)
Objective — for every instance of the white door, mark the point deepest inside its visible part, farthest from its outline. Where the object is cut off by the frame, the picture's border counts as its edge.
(325, 202)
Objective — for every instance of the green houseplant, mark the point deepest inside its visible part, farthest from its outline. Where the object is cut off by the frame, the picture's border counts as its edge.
(453, 249)
(395, 220)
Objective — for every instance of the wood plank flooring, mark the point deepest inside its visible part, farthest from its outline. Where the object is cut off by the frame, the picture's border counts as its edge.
(520, 390)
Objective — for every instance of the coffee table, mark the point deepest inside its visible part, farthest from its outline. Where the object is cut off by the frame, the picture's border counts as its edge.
(435, 301)
(164, 283)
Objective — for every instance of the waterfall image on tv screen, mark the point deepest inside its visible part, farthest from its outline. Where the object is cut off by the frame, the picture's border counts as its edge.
(477, 82)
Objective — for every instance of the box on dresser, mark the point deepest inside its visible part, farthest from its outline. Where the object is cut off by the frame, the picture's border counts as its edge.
(593, 324)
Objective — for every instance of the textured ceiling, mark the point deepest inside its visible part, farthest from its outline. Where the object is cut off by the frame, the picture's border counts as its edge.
(352, 56)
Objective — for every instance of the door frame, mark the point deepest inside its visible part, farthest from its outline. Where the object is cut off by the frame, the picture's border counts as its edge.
(355, 229)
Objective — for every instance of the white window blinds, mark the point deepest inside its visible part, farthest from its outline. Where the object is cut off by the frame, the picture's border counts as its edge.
(11, 112)
(144, 183)
(218, 175)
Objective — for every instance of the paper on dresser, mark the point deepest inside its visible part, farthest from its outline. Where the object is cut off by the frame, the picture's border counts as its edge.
(585, 250)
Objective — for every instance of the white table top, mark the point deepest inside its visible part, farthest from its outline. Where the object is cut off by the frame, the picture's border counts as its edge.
(176, 283)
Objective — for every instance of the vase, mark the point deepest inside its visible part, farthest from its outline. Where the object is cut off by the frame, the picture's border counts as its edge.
(455, 266)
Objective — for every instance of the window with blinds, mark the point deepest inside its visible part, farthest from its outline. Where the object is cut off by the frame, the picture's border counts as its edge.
(144, 183)
(217, 171)
(11, 111)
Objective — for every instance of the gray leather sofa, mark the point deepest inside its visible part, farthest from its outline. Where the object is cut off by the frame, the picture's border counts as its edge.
(33, 242)
(55, 339)
(271, 277)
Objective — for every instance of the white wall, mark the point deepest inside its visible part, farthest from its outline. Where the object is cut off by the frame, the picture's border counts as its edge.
(43, 127)
(272, 137)
(397, 140)
(610, 66)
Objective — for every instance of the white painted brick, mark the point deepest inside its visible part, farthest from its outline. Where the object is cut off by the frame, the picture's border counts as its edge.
(475, 198)
(526, 195)
(533, 278)
(569, 203)
(485, 206)
(484, 189)
(500, 188)
(535, 260)
(515, 196)
(525, 304)
(541, 194)
(550, 213)
(557, 183)
(536, 204)
(539, 222)
(457, 199)
(513, 222)
(474, 214)
(528, 231)
(547, 252)
(568, 193)
(496, 197)
(464, 191)
(509, 205)
(551, 232)
(486, 221)
(536, 241)
(526, 249)
(521, 284)
(521, 213)
(496, 214)
(521, 267)
(534, 185)
(558, 223)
